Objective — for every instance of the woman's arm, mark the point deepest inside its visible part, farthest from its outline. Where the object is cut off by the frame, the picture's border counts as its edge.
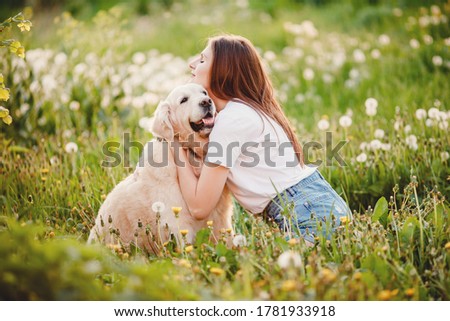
(201, 194)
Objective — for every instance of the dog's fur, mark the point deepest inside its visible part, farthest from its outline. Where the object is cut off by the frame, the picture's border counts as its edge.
(127, 215)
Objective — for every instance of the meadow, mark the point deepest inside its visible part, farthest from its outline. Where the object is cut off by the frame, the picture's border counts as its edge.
(368, 74)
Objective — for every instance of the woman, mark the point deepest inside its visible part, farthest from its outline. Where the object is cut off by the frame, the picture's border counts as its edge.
(253, 149)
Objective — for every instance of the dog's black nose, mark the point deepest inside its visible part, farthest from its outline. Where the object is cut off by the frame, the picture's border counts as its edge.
(206, 103)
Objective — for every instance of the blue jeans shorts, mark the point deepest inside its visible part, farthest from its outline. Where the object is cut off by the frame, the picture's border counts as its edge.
(308, 208)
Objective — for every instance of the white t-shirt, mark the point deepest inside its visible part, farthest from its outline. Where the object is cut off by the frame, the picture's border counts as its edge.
(257, 151)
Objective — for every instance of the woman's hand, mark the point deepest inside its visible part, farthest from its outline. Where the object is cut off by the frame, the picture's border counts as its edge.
(200, 192)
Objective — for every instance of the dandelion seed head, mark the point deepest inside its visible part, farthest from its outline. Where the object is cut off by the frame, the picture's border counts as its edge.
(288, 259)
(437, 61)
(371, 106)
(361, 158)
(421, 113)
(384, 40)
(345, 121)
(158, 207)
(71, 147)
(379, 133)
(323, 124)
(239, 240)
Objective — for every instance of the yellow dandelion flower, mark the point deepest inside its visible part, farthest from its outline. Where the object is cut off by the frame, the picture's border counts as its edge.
(328, 275)
(20, 52)
(51, 234)
(4, 94)
(357, 276)
(184, 263)
(216, 271)
(384, 295)
(268, 234)
(343, 219)
(184, 232)
(176, 210)
(24, 26)
(447, 246)
(292, 242)
(103, 197)
(44, 170)
(229, 230)
(43, 178)
(209, 223)
(189, 248)
(3, 112)
(288, 285)
(7, 120)
(410, 292)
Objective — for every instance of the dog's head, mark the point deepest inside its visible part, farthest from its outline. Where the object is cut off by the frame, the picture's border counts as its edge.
(187, 110)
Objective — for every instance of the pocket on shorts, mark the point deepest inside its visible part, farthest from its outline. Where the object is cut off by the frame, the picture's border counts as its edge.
(323, 205)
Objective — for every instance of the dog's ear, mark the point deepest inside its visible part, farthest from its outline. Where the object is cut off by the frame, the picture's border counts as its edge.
(162, 127)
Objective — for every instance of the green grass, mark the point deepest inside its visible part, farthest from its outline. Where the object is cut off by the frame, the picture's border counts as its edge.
(396, 248)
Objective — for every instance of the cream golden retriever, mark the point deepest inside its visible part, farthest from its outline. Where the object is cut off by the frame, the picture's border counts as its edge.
(139, 209)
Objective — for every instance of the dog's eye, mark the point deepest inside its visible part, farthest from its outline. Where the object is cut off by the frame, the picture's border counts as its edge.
(185, 99)
(205, 93)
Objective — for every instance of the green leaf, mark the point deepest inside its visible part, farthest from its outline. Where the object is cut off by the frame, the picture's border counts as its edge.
(378, 267)
(202, 237)
(18, 149)
(410, 230)
(381, 211)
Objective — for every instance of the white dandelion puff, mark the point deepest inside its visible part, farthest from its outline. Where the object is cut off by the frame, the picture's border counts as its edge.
(445, 156)
(375, 144)
(239, 240)
(361, 158)
(371, 106)
(158, 207)
(375, 54)
(421, 113)
(71, 148)
(414, 43)
(429, 122)
(384, 40)
(407, 128)
(323, 124)
(379, 133)
(433, 113)
(443, 125)
(411, 141)
(437, 61)
(345, 121)
(308, 74)
(74, 105)
(288, 259)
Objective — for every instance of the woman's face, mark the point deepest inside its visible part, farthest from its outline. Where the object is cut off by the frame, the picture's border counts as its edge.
(201, 67)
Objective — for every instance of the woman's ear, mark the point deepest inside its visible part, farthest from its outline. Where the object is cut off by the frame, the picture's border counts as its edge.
(162, 127)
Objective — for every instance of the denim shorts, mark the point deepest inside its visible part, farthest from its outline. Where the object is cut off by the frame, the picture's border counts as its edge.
(308, 208)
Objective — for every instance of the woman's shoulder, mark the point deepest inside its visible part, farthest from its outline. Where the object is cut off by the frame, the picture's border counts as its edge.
(238, 109)
(239, 117)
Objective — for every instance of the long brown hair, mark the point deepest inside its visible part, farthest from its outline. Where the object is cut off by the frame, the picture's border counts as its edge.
(237, 72)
